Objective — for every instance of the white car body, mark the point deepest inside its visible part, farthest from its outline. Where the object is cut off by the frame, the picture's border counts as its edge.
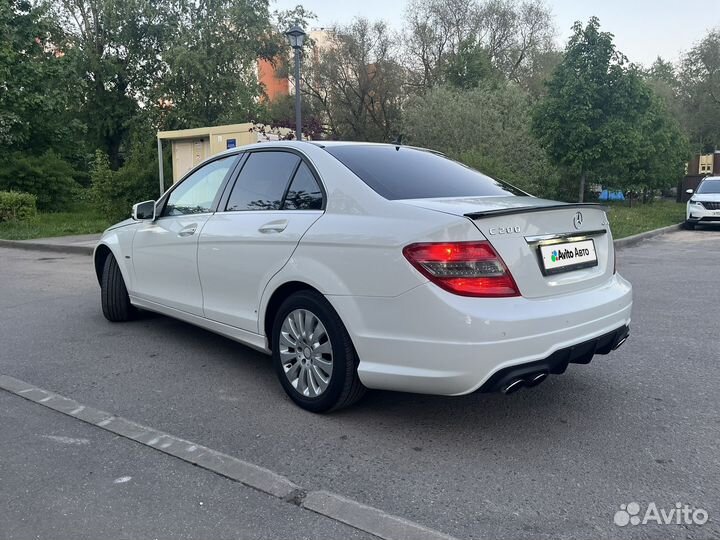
(704, 208)
(410, 334)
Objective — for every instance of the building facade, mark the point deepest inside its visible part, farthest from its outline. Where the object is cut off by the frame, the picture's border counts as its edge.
(700, 166)
(275, 75)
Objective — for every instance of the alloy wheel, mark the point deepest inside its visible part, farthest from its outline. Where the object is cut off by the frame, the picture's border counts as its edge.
(306, 353)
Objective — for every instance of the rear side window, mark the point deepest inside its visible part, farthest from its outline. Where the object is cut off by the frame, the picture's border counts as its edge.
(262, 181)
(407, 173)
(304, 192)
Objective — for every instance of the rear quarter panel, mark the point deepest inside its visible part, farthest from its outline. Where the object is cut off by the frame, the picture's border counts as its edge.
(361, 254)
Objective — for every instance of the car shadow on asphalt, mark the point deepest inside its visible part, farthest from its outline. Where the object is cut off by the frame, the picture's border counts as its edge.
(580, 396)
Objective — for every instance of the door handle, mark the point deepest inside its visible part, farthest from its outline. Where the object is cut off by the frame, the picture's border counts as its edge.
(189, 230)
(274, 226)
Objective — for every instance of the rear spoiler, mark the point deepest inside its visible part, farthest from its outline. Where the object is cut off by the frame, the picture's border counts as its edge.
(528, 209)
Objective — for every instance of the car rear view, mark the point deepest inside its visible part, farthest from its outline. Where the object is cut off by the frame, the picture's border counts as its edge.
(516, 290)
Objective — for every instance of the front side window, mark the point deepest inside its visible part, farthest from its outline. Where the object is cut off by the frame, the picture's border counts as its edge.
(397, 172)
(262, 181)
(195, 195)
(304, 192)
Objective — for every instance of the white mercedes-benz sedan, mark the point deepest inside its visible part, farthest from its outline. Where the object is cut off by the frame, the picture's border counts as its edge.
(360, 265)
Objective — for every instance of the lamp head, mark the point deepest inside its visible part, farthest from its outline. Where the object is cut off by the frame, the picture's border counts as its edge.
(296, 37)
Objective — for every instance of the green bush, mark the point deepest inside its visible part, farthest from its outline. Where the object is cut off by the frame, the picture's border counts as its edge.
(48, 177)
(16, 206)
(115, 192)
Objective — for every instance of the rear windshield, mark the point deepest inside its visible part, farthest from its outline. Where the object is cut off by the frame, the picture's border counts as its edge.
(398, 172)
(709, 186)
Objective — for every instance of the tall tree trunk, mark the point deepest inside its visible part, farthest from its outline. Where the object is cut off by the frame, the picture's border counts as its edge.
(583, 178)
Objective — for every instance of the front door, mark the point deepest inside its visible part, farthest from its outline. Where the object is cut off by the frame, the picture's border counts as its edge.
(164, 251)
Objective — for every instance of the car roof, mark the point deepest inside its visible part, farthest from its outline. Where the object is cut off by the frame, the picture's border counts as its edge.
(318, 144)
(349, 143)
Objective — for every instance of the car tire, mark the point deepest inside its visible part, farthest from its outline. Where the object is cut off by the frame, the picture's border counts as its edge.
(115, 301)
(689, 226)
(310, 353)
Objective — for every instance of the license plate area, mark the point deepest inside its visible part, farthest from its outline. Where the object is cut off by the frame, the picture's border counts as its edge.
(556, 258)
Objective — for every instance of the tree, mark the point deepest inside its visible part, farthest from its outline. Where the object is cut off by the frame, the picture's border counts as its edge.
(598, 117)
(116, 46)
(435, 30)
(515, 33)
(659, 157)
(488, 128)
(700, 92)
(356, 82)
(212, 61)
(663, 80)
(36, 108)
(440, 34)
(470, 66)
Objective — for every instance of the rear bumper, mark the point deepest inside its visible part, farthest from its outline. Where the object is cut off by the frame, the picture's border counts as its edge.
(431, 341)
(557, 362)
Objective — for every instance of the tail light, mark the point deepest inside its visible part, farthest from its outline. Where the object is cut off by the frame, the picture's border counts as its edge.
(463, 268)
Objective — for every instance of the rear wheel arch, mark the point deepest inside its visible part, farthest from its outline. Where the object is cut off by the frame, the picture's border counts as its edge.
(298, 363)
(279, 295)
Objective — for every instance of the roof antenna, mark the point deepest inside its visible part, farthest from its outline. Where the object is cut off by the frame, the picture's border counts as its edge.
(398, 141)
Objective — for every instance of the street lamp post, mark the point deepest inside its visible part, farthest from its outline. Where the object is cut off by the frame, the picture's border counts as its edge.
(296, 37)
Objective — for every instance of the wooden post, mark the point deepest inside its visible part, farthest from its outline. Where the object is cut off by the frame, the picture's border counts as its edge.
(160, 167)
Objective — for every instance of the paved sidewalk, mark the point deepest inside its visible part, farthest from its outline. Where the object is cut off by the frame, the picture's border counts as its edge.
(83, 243)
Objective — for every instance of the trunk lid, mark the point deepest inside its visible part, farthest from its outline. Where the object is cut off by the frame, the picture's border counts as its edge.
(518, 227)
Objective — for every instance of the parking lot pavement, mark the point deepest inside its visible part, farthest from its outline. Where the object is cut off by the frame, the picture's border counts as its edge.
(61, 478)
(641, 425)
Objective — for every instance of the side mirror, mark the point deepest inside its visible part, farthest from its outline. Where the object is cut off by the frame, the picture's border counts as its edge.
(689, 191)
(143, 211)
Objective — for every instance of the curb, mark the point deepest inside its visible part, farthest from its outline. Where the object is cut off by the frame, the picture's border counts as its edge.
(57, 248)
(636, 238)
(331, 505)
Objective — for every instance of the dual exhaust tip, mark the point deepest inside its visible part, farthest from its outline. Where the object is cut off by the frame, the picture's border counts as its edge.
(533, 379)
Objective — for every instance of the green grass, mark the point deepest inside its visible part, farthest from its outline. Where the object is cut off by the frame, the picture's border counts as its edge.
(81, 221)
(626, 221)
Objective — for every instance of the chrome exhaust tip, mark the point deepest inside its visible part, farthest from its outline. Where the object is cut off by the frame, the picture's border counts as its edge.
(536, 379)
(620, 343)
(513, 386)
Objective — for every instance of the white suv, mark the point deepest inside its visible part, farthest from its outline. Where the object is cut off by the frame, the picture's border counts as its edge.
(704, 205)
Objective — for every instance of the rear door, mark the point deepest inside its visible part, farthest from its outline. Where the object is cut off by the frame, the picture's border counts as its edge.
(276, 197)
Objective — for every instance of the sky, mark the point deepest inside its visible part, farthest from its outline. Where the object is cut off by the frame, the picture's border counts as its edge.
(643, 29)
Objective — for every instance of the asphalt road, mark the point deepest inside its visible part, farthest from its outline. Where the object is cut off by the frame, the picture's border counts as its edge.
(557, 461)
(63, 479)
